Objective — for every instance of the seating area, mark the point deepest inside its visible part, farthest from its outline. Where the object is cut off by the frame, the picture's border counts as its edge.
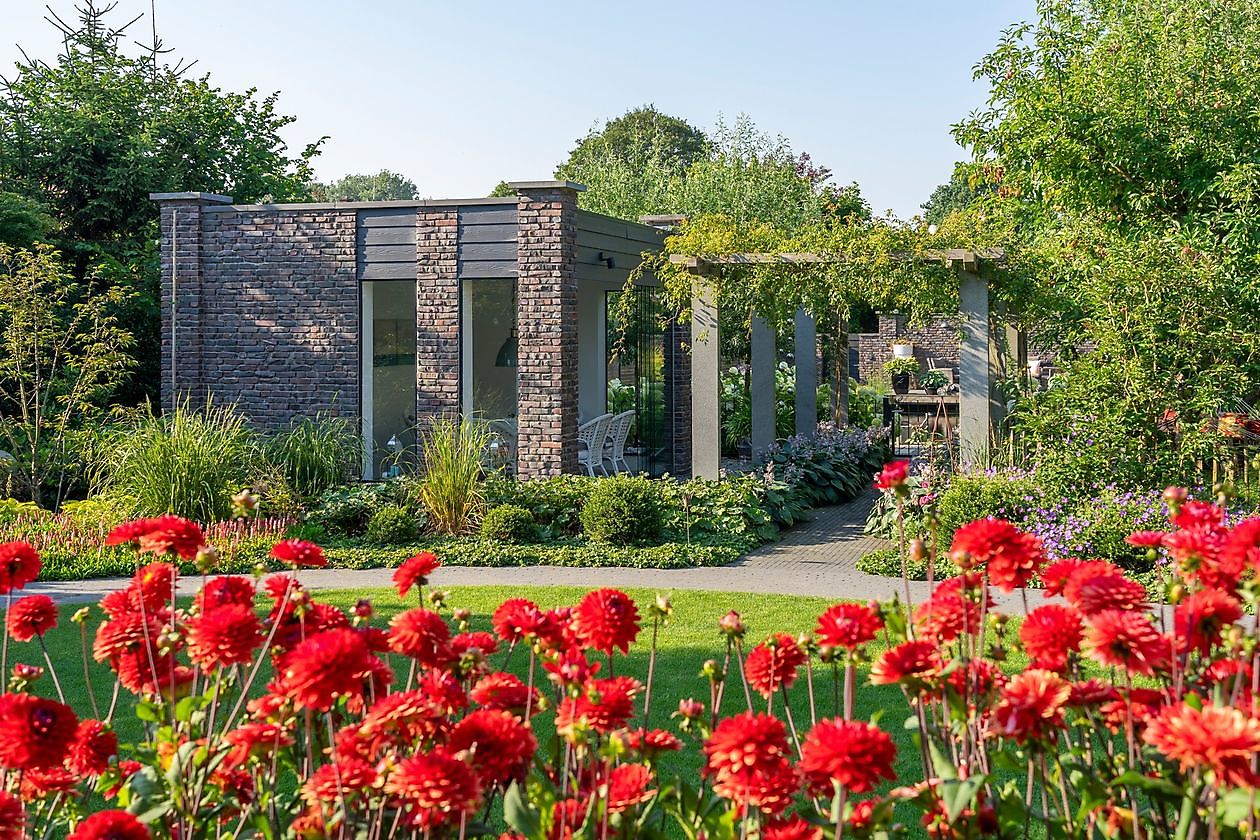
(602, 441)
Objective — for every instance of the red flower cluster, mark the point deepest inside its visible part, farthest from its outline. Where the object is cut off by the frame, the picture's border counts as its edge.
(1007, 555)
(415, 571)
(19, 565)
(853, 754)
(848, 625)
(893, 475)
(31, 616)
(160, 535)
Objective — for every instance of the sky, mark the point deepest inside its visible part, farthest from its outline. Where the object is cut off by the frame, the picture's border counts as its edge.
(459, 95)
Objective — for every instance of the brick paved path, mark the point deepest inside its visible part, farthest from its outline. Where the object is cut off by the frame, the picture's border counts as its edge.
(817, 557)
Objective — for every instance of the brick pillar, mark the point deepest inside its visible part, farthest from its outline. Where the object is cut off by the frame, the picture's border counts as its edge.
(547, 327)
(181, 303)
(437, 312)
(677, 363)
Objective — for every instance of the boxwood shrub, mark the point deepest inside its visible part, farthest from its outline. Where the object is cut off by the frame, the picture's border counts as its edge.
(623, 510)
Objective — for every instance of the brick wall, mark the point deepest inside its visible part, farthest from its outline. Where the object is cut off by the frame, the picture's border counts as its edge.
(937, 339)
(547, 319)
(437, 312)
(267, 309)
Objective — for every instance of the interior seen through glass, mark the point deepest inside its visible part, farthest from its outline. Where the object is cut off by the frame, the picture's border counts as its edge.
(389, 376)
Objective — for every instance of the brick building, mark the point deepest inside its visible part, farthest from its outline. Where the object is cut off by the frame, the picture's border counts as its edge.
(391, 312)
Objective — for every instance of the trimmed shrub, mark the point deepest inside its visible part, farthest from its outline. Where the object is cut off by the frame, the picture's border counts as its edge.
(346, 510)
(392, 525)
(555, 503)
(508, 523)
(623, 510)
(972, 497)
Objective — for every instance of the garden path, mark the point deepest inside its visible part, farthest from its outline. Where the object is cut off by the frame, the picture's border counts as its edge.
(818, 557)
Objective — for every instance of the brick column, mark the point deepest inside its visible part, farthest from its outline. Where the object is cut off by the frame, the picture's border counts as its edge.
(677, 363)
(437, 312)
(547, 327)
(181, 289)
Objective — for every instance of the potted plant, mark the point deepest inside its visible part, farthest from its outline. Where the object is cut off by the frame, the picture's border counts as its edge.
(932, 381)
(902, 349)
(899, 370)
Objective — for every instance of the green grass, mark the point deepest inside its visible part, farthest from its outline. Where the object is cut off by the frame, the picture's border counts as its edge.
(684, 644)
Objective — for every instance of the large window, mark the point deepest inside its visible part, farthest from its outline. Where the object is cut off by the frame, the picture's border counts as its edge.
(490, 362)
(635, 374)
(389, 376)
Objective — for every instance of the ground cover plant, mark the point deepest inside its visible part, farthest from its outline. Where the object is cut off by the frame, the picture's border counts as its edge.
(1106, 720)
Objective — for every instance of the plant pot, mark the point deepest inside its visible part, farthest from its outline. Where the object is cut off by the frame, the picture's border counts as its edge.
(901, 383)
(931, 390)
(902, 351)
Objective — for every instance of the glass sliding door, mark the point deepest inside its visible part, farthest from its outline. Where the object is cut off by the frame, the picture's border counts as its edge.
(635, 368)
(488, 332)
(388, 343)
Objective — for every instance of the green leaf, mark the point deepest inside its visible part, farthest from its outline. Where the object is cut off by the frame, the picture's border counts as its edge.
(518, 814)
(148, 711)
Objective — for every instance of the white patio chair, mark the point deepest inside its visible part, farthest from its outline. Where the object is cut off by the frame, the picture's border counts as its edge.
(615, 445)
(591, 437)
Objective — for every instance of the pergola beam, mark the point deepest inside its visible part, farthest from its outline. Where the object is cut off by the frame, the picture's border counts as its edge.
(968, 259)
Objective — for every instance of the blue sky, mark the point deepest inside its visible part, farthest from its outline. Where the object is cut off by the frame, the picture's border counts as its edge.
(460, 95)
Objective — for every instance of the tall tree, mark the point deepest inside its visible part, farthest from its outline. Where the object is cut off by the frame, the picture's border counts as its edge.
(92, 133)
(383, 186)
(953, 195)
(638, 136)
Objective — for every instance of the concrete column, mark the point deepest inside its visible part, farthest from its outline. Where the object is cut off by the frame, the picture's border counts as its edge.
(807, 374)
(181, 302)
(547, 319)
(975, 400)
(762, 396)
(706, 432)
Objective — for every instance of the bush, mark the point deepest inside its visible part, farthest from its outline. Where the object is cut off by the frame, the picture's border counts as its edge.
(886, 562)
(979, 495)
(832, 466)
(346, 511)
(392, 525)
(508, 523)
(188, 461)
(623, 510)
(316, 454)
(554, 503)
(736, 508)
(451, 450)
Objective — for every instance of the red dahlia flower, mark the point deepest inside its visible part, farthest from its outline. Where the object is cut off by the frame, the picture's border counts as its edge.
(848, 625)
(497, 745)
(1216, 738)
(1009, 556)
(852, 753)
(436, 787)
(792, 827)
(224, 636)
(299, 553)
(346, 778)
(606, 620)
(40, 782)
(1199, 619)
(1242, 546)
(32, 616)
(916, 662)
(500, 690)
(404, 717)
(1126, 640)
(1031, 707)
(774, 664)
(423, 635)
(93, 746)
(953, 609)
(602, 706)
(12, 817)
(1146, 539)
(1108, 592)
(516, 619)
(34, 731)
(256, 739)
(19, 565)
(893, 475)
(477, 641)
(627, 787)
(415, 571)
(747, 741)
(1049, 634)
(328, 665)
(223, 590)
(154, 583)
(770, 790)
(1195, 514)
(110, 825)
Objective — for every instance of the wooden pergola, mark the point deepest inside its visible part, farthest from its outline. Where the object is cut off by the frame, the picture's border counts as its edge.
(980, 357)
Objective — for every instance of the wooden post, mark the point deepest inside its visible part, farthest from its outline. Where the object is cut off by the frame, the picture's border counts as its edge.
(761, 390)
(974, 392)
(706, 433)
(806, 374)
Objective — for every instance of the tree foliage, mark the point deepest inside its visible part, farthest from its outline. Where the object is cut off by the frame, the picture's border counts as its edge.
(638, 136)
(383, 186)
(955, 194)
(1123, 139)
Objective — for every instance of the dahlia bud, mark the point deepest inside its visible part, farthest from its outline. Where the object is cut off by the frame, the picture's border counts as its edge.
(363, 609)
(462, 615)
(689, 709)
(207, 558)
(732, 625)
(260, 571)
(1176, 592)
(918, 551)
(712, 671)
(998, 621)
(830, 653)
(1175, 497)
(24, 675)
(962, 559)
(1224, 492)
(81, 615)
(997, 653)
(244, 504)
(437, 598)
(662, 608)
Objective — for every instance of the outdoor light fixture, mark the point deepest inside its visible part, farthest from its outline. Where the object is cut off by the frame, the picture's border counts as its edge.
(608, 261)
(507, 353)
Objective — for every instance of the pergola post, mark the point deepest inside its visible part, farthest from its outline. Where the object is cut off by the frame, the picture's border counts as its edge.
(975, 370)
(761, 386)
(706, 432)
(807, 374)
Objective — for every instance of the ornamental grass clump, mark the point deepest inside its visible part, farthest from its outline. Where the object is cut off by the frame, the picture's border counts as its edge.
(450, 491)
(303, 720)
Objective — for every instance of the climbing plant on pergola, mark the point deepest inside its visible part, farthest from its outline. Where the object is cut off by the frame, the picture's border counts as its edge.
(891, 267)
